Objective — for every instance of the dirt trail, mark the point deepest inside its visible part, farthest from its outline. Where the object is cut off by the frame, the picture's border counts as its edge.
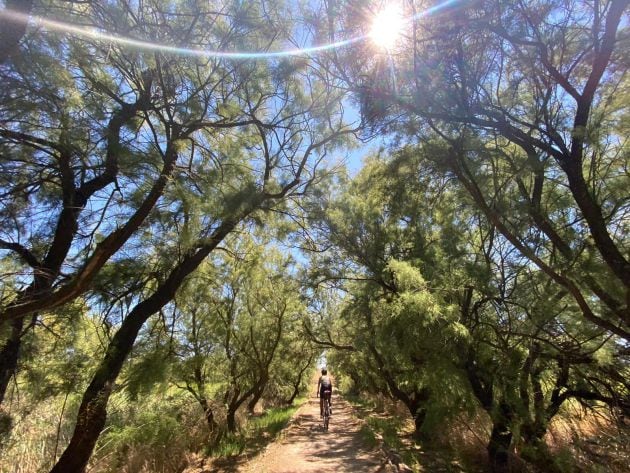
(304, 446)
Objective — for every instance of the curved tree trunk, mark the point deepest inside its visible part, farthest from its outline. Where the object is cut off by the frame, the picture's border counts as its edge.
(251, 405)
(298, 382)
(418, 421)
(9, 355)
(231, 420)
(418, 412)
(294, 394)
(208, 413)
(232, 406)
(500, 441)
(93, 410)
(238, 400)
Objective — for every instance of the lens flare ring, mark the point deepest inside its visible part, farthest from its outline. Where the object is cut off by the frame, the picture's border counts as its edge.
(53, 25)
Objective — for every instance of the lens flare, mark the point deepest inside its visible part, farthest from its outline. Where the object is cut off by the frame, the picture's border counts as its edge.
(385, 32)
(103, 36)
(387, 26)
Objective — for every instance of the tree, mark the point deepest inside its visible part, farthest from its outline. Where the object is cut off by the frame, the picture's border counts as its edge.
(535, 84)
(520, 102)
(293, 121)
(243, 319)
(258, 319)
(396, 317)
(479, 322)
(91, 136)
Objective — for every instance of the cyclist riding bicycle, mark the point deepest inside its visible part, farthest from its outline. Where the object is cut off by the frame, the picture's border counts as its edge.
(324, 391)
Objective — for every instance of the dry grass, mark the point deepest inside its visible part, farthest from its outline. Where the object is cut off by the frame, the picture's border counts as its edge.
(33, 444)
(150, 439)
(581, 441)
(591, 440)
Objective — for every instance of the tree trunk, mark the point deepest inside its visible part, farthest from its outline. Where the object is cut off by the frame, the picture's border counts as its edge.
(419, 415)
(93, 410)
(10, 352)
(254, 400)
(294, 394)
(9, 355)
(208, 413)
(500, 441)
(37, 296)
(237, 400)
(414, 400)
(538, 454)
(356, 382)
(298, 381)
(296, 388)
(535, 449)
(597, 224)
(231, 419)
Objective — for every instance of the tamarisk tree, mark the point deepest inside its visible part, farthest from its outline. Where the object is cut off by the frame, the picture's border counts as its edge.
(538, 86)
(95, 134)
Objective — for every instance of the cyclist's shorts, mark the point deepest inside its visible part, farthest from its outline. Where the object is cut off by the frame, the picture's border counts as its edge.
(323, 390)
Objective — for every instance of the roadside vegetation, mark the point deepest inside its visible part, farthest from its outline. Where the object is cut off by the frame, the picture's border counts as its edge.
(258, 432)
(580, 440)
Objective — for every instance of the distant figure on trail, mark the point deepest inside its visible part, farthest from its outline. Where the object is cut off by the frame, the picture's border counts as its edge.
(324, 391)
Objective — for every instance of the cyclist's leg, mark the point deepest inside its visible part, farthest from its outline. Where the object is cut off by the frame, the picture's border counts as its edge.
(321, 404)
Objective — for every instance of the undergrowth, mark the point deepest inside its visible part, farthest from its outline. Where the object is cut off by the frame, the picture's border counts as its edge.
(258, 432)
(382, 428)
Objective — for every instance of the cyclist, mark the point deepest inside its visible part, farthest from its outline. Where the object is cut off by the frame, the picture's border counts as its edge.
(324, 384)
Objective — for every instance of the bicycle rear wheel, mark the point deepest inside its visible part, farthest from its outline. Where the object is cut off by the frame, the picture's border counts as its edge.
(326, 402)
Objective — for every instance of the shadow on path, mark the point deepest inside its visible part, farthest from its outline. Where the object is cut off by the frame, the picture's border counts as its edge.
(306, 447)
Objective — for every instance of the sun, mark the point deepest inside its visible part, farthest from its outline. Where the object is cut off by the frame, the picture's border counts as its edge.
(387, 26)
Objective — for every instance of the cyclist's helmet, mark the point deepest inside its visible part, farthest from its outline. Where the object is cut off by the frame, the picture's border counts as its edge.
(324, 371)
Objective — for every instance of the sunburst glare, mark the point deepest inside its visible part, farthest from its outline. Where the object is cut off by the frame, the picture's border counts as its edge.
(387, 26)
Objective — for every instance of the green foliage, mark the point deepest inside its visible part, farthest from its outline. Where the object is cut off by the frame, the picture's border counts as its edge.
(230, 446)
(474, 265)
(404, 236)
(273, 420)
(388, 428)
(443, 309)
(151, 369)
(258, 432)
(153, 429)
(157, 434)
(58, 357)
(368, 436)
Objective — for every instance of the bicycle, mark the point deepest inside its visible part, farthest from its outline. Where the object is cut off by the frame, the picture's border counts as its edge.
(327, 411)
